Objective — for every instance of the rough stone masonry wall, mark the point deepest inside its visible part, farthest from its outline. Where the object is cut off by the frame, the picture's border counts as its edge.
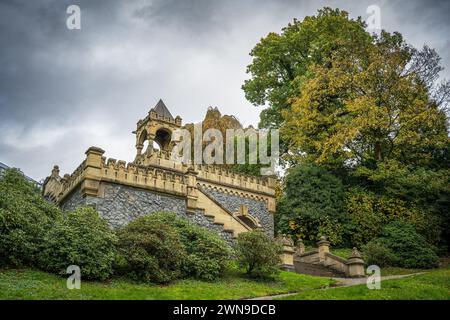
(121, 204)
(256, 208)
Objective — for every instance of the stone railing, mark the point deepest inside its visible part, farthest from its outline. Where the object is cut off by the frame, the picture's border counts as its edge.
(351, 267)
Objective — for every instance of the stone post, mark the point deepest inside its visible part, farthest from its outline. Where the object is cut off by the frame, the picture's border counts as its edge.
(287, 255)
(324, 247)
(300, 249)
(192, 195)
(355, 264)
(55, 171)
(92, 171)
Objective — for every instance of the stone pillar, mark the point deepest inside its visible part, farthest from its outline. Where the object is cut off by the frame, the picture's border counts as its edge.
(287, 255)
(355, 264)
(92, 171)
(324, 247)
(139, 148)
(300, 248)
(192, 195)
(55, 171)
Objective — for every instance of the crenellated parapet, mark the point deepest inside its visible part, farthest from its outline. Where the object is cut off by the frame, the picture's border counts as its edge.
(161, 174)
(222, 176)
(96, 168)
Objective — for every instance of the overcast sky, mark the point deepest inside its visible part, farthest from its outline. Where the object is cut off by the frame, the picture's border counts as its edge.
(62, 90)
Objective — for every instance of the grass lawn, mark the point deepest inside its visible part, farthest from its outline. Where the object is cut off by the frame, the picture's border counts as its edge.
(432, 285)
(32, 284)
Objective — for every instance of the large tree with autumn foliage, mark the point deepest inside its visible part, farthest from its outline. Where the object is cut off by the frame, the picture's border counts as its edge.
(367, 108)
(368, 105)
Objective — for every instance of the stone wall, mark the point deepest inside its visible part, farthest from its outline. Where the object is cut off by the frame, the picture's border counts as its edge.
(120, 204)
(257, 208)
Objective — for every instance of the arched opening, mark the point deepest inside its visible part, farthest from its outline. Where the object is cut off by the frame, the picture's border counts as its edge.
(156, 146)
(162, 138)
(250, 221)
(145, 145)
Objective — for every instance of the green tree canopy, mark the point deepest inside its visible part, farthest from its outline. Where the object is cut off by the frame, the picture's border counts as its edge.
(312, 205)
(368, 106)
(281, 61)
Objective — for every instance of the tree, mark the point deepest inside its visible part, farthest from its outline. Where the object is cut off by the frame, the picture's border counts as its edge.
(281, 61)
(368, 106)
(258, 253)
(312, 205)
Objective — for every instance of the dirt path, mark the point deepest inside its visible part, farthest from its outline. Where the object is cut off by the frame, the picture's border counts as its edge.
(341, 282)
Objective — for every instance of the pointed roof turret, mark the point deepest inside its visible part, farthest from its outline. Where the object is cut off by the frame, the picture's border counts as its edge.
(162, 110)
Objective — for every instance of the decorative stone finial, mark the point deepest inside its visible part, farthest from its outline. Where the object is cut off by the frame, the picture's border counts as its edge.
(55, 171)
(355, 253)
(300, 246)
(323, 241)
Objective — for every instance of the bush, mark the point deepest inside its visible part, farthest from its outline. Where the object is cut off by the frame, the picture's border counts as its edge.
(312, 205)
(81, 238)
(376, 253)
(370, 212)
(25, 218)
(206, 253)
(258, 253)
(401, 246)
(150, 250)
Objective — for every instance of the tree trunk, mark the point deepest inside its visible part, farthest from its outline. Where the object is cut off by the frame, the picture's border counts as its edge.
(378, 151)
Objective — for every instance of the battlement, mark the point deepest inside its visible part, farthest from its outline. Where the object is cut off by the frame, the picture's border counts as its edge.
(160, 174)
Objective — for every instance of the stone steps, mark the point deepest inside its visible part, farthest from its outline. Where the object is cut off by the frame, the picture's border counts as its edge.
(316, 269)
(219, 215)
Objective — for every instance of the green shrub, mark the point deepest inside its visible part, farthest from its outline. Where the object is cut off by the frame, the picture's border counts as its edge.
(25, 218)
(376, 253)
(81, 238)
(207, 254)
(258, 253)
(401, 246)
(150, 250)
(370, 212)
(312, 205)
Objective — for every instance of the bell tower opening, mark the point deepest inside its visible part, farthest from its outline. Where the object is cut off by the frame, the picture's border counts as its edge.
(163, 138)
(154, 132)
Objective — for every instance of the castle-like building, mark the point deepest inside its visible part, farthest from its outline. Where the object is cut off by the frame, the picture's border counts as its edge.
(208, 195)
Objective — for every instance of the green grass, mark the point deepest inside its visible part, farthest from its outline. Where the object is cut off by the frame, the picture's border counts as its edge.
(342, 252)
(433, 285)
(32, 284)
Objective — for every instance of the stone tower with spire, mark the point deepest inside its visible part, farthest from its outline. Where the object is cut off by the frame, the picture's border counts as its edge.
(157, 127)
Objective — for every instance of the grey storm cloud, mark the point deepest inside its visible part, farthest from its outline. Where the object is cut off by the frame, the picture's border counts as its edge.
(63, 90)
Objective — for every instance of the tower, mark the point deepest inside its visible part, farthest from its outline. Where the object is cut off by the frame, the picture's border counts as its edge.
(158, 127)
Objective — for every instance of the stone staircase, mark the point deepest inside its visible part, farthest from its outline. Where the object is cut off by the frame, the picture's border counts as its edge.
(316, 269)
(219, 215)
(320, 261)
